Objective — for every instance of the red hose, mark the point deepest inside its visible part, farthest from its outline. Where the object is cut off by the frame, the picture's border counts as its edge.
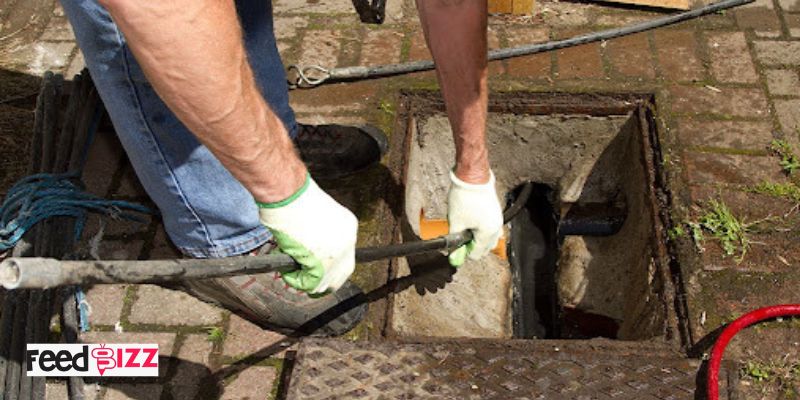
(785, 310)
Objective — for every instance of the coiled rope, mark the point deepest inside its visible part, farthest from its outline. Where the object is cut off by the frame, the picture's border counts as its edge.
(41, 196)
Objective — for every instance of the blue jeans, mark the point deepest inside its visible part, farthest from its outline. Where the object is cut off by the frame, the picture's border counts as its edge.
(206, 212)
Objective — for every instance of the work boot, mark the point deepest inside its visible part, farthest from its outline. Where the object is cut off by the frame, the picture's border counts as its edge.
(267, 301)
(334, 151)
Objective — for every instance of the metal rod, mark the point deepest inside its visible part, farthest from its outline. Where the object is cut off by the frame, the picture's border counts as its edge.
(38, 272)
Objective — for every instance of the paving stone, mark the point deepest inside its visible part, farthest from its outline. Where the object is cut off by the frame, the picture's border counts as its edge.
(162, 246)
(76, 65)
(320, 48)
(631, 56)
(39, 57)
(677, 55)
(750, 135)
(730, 58)
(113, 239)
(558, 14)
(759, 19)
(165, 341)
(129, 185)
(381, 46)
(532, 66)
(106, 303)
(252, 383)
(193, 367)
(582, 61)
(121, 249)
(777, 52)
(244, 338)
(493, 43)
(56, 391)
(316, 7)
(334, 98)
(768, 252)
(58, 29)
(790, 5)
(744, 205)
(418, 49)
(58, 11)
(789, 116)
(737, 102)
(767, 4)
(286, 27)
(783, 82)
(156, 305)
(619, 20)
(727, 294)
(793, 24)
(133, 391)
(714, 168)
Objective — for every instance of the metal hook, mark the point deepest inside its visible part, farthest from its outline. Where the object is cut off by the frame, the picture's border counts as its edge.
(304, 80)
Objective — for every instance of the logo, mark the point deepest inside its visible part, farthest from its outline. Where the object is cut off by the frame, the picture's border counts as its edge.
(51, 359)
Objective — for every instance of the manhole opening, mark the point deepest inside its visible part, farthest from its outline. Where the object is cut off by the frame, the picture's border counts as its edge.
(536, 234)
(586, 256)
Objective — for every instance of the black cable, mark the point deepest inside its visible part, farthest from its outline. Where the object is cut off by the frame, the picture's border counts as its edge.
(361, 72)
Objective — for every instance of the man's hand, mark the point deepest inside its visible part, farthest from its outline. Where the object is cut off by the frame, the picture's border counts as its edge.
(474, 207)
(318, 232)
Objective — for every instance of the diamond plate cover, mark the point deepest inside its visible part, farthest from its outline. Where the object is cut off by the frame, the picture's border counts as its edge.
(491, 369)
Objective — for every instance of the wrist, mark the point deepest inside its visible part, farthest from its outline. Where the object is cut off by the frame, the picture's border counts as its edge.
(474, 173)
(292, 180)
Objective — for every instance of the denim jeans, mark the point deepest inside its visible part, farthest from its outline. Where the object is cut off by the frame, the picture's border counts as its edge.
(206, 212)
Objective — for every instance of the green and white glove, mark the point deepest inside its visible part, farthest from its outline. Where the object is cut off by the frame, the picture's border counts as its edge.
(319, 233)
(474, 207)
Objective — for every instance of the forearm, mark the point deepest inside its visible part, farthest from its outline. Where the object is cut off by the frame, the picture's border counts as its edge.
(192, 53)
(455, 31)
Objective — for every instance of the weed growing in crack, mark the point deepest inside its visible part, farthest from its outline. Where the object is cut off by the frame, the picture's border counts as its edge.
(789, 160)
(722, 225)
(215, 334)
(784, 375)
(788, 190)
(757, 371)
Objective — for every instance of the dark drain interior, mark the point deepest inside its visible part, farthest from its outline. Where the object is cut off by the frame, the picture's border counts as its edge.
(533, 252)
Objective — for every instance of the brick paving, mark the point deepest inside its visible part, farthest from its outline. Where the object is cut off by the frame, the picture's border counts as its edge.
(726, 85)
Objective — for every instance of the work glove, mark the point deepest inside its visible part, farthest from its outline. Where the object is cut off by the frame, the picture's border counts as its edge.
(318, 233)
(474, 207)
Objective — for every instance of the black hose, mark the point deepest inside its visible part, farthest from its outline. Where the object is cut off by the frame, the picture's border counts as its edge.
(362, 72)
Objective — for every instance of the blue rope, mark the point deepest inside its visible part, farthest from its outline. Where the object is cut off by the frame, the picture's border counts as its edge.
(42, 196)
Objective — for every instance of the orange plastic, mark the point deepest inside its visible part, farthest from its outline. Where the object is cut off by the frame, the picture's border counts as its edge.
(433, 228)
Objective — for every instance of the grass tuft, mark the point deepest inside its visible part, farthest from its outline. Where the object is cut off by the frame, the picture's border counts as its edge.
(789, 160)
(722, 225)
(215, 334)
(782, 190)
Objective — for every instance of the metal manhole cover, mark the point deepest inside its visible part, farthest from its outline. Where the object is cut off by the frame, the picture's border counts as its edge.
(491, 369)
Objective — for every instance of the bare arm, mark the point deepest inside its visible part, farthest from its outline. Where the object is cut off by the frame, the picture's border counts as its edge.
(456, 34)
(192, 54)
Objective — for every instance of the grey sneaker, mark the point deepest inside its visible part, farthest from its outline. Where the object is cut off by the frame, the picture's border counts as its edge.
(267, 301)
(334, 151)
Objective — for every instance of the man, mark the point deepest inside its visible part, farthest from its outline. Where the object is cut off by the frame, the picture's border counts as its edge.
(197, 94)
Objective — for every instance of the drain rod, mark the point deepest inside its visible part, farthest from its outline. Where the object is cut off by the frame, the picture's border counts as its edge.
(309, 76)
(37, 272)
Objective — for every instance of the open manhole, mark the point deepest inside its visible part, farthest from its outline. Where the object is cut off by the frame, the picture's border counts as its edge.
(586, 257)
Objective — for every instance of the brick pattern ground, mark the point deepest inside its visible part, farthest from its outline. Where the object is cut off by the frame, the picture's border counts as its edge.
(725, 85)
